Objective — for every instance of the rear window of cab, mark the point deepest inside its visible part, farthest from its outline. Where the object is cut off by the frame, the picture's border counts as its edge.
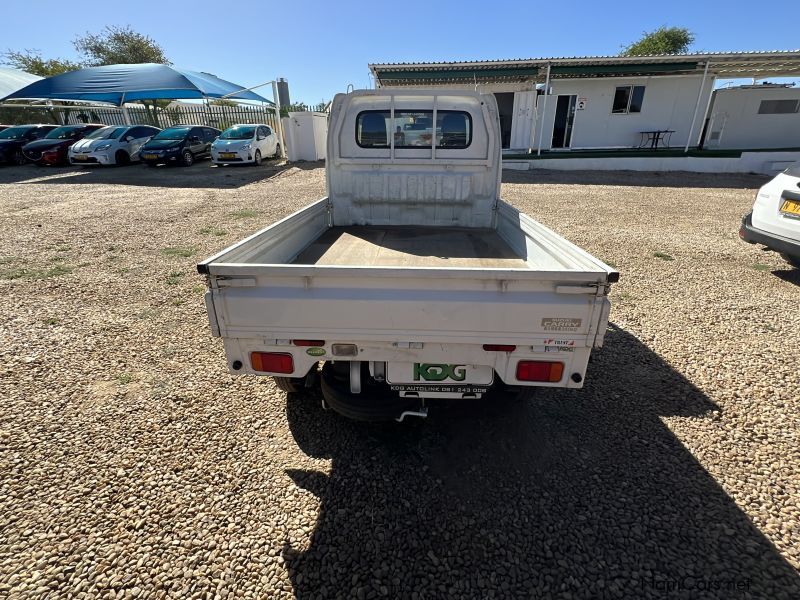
(413, 129)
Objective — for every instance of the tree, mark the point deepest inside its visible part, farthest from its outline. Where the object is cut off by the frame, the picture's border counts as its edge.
(119, 45)
(664, 40)
(31, 61)
(113, 45)
(294, 107)
(116, 45)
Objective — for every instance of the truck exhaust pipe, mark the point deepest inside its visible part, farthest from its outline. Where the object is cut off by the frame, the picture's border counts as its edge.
(422, 413)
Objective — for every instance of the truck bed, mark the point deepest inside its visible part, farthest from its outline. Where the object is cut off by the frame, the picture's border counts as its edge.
(410, 247)
(306, 243)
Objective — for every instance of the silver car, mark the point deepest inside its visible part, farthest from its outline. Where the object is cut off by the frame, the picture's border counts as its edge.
(112, 145)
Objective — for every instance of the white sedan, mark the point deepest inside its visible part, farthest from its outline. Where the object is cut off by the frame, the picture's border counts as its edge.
(113, 145)
(775, 218)
(245, 144)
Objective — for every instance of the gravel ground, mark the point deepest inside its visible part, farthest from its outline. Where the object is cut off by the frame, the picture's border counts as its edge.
(132, 465)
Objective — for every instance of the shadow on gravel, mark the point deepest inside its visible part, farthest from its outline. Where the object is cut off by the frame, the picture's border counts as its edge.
(202, 174)
(788, 275)
(576, 494)
(676, 179)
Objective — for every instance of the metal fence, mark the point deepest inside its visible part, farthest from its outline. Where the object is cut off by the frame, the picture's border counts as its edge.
(220, 116)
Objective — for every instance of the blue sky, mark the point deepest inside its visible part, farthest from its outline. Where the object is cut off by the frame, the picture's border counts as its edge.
(321, 47)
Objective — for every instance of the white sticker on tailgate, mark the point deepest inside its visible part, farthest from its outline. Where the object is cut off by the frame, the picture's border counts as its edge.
(437, 373)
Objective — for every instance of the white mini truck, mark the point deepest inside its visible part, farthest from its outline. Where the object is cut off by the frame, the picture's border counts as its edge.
(411, 280)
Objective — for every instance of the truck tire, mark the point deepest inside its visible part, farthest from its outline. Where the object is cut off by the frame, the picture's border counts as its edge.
(792, 260)
(290, 385)
(375, 402)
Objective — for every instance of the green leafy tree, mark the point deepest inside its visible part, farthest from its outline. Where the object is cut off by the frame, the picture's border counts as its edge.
(119, 45)
(664, 40)
(294, 107)
(31, 61)
(122, 45)
(113, 45)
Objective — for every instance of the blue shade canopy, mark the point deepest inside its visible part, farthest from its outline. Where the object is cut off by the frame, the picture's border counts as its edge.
(125, 83)
(11, 80)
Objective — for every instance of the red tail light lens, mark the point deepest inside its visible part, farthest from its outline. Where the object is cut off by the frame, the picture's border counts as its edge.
(499, 347)
(539, 370)
(308, 342)
(273, 362)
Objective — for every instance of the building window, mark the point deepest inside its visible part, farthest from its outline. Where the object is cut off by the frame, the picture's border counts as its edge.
(413, 129)
(778, 107)
(628, 99)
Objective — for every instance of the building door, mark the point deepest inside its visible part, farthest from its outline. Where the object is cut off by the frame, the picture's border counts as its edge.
(564, 121)
(522, 125)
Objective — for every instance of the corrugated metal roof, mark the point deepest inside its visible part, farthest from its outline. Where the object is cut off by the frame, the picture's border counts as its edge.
(606, 57)
(732, 64)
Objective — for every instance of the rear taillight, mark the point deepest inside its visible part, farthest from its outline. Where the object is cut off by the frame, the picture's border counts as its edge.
(273, 362)
(499, 347)
(539, 370)
(308, 342)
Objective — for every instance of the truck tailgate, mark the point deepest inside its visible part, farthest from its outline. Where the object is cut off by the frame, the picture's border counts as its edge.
(372, 304)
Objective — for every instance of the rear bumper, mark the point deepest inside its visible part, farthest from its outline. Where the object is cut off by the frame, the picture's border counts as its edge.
(752, 235)
(572, 353)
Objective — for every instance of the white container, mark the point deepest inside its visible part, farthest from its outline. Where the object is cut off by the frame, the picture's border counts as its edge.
(305, 133)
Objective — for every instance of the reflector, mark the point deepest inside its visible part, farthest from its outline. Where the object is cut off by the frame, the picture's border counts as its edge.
(308, 342)
(272, 362)
(499, 347)
(539, 370)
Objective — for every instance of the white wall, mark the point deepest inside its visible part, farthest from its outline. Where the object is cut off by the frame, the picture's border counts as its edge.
(668, 103)
(768, 163)
(734, 121)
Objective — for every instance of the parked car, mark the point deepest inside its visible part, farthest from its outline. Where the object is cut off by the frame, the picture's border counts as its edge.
(113, 145)
(14, 138)
(2, 127)
(245, 144)
(775, 218)
(52, 149)
(181, 144)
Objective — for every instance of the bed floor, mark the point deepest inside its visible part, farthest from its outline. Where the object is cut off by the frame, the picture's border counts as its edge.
(410, 247)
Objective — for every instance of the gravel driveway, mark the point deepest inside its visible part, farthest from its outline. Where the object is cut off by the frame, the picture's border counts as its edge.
(132, 464)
